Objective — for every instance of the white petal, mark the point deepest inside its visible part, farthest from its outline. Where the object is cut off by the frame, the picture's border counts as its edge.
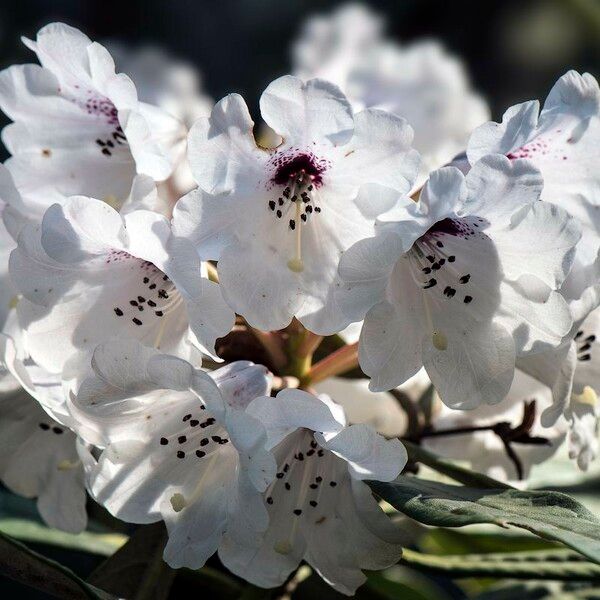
(390, 344)
(476, 367)
(379, 152)
(518, 124)
(80, 228)
(369, 455)
(242, 381)
(221, 149)
(498, 187)
(554, 368)
(303, 113)
(551, 256)
(379, 410)
(537, 317)
(364, 269)
(292, 409)
(209, 222)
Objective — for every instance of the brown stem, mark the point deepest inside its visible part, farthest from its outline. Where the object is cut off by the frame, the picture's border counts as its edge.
(272, 345)
(412, 413)
(338, 362)
(310, 342)
(456, 431)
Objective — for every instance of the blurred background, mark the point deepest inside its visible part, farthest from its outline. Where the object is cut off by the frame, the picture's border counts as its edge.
(513, 49)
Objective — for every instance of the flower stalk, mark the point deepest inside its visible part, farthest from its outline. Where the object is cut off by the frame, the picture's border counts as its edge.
(338, 362)
(271, 342)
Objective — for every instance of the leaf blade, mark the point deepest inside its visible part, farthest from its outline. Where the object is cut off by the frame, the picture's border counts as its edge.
(22, 564)
(549, 515)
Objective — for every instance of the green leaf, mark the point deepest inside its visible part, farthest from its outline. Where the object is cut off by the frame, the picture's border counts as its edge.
(455, 541)
(103, 544)
(558, 565)
(450, 469)
(394, 590)
(549, 515)
(539, 590)
(30, 568)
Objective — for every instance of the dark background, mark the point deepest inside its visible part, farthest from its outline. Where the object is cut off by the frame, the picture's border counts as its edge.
(514, 50)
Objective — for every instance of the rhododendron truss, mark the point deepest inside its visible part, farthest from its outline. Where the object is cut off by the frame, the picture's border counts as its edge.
(241, 344)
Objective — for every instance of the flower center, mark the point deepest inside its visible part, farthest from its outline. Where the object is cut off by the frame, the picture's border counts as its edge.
(154, 300)
(307, 483)
(199, 436)
(436, 269)
(101, 108)
(297, 177)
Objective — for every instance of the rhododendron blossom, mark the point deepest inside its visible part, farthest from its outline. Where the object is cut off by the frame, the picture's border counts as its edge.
(254, 360)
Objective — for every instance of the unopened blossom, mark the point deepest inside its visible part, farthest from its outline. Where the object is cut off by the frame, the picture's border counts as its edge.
(455, 283)
(88, 273)
(78, 126)
(177, 448)
(320, 509)
(278, 220)
(518, 421)
(421, 81)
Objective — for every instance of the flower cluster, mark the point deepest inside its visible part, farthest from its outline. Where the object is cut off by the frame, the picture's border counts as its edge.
(163, 328)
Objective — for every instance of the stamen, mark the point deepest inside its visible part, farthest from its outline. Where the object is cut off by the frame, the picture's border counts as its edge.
(440, 341)
(295, 264)
(178, 502)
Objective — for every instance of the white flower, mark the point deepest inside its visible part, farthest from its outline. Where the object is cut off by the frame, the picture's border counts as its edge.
(463, 282)
(88, 274)
(562, 141)
(78, 126)
(584, 415)
(39, 459)
(420, 82)
(484, 450)
(583, 412)
(320, 509)
(176, 448)
(164, 81)
(284, 216)
(330, 47)
(176, 87)
(8, 196)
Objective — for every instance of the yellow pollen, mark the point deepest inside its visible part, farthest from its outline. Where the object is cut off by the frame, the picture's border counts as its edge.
(282, 547)
(440, 341)
(296, 265)
(588, 396)
(178, 502)
(67, 465)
